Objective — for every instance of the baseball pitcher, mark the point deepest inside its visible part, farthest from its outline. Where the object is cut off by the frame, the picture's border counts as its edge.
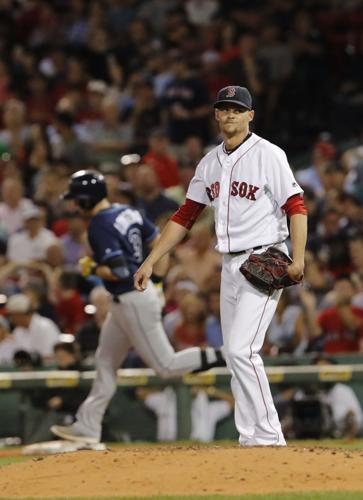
(249, 183)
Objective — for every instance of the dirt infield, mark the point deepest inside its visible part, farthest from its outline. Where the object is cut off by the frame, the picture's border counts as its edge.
(180, 470)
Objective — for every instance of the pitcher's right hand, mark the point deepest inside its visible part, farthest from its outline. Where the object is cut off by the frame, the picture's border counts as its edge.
(142, 276)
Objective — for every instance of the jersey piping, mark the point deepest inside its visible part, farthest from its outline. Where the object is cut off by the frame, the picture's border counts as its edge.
(229, 189)
(255, 370)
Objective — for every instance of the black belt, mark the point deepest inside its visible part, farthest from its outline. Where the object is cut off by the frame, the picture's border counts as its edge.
(241, 252)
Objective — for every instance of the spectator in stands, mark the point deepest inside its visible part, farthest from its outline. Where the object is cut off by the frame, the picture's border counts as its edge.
(48, 186)
(287, 332)
(316, 276)
(185, 174)
(186, 104)
(330, 242)
(314, 206)
(32, 333)
(198, 258)
(352, 159)
(7, 343)
(311, 69)
(243, 65)
(334, 183)
(160, 72)
(98, 46)
(26, 361)
(39, 103)
(31, 243)
(161, 160)
(88, 335)
(144, 114)
(69, 303)
(112, 179)
(74, 241)
(176, 288)
(352, 209)
(91, 112)
(15, 132)
(274, 55)
(125, 194)
(66, 144)
(356, 253)
(339, 328)
(191, 329)
(201, 12)
(37, 293)
(37, 159)
(191, 153)
(151, 199)
(324, 152)
(48, 270)
(5, 92)
(212, 72)
(109, 138)
(13, 206)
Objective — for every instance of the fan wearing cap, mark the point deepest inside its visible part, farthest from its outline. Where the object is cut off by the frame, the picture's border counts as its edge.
(33, 333)
(31, 243)
(249, 184)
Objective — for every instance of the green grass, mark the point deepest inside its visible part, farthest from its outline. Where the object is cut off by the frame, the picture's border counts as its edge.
(11, 460)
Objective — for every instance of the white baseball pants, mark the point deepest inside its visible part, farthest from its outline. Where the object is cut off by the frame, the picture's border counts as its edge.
(134, 321)
(246, 314)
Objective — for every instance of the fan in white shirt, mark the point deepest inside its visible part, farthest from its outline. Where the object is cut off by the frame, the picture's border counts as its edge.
(31, 243)
(13, 206)
(32, 333)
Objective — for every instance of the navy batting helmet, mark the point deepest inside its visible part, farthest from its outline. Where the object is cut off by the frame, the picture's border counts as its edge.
(87, 187)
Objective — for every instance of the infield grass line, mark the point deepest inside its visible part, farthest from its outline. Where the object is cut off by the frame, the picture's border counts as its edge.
(13, 460)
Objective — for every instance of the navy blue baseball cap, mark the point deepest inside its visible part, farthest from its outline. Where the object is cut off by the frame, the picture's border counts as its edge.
(235, 95)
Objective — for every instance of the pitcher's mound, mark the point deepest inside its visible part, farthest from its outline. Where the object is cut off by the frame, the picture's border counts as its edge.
(179, 470)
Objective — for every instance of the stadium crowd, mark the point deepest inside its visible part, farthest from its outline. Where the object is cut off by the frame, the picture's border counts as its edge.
(125, 87)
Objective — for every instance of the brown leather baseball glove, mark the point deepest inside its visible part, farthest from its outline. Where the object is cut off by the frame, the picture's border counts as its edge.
(267, 271)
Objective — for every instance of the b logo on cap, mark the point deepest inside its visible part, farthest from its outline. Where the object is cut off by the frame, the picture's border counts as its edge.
(231, 92)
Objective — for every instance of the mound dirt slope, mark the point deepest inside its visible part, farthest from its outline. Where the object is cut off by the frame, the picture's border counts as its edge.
(177, 470)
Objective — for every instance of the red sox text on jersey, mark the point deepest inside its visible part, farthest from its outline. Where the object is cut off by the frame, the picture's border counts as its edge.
(241, 189)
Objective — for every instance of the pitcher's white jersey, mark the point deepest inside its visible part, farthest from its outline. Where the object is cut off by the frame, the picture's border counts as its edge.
(247, 189)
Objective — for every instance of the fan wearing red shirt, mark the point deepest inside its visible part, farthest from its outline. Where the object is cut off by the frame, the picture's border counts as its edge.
(341, 326)
(191, 330)
(159, 157)
(70, 305)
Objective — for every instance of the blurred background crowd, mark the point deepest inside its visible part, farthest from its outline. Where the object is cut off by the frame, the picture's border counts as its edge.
(126, 87)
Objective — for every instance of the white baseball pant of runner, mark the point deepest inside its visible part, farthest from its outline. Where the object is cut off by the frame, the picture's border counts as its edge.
(246, 314)
(134, 321)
